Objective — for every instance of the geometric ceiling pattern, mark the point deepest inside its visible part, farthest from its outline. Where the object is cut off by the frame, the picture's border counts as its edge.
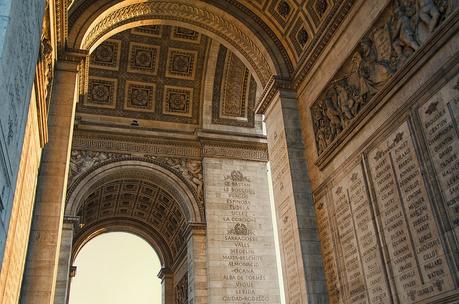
(297, 20)
(138, 200)
(234, 91)
(148, 72)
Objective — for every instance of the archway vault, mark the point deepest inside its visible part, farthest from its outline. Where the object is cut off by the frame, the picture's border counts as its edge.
(254, 42)
(138, 197)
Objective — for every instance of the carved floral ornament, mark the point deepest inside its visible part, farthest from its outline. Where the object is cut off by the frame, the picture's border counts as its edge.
(397, 35)
(205, 19)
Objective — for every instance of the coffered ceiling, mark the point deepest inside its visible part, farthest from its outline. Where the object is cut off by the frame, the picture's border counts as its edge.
(135, 200)
(157, 73)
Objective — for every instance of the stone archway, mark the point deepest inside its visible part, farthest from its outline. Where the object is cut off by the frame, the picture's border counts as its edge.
(234, 154)
(139, 197)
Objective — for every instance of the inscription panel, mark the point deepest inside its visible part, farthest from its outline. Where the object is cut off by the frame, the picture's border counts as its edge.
(357, 237)
(354, 280)
(417, 259)
(329, 255)
(289, 253)
(241, 250)
(439, 117)
(289, 239)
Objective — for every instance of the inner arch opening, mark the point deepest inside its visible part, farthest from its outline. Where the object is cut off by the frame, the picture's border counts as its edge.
(116, 267)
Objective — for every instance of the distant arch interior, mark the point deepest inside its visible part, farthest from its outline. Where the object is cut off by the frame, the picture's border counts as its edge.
(116, 267)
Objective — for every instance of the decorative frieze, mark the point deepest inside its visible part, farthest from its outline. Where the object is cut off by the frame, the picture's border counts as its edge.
(137, 146)
(256, 152)
(398, 33)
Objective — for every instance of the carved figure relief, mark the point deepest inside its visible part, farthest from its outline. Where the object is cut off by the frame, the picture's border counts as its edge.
(82, 161)
(189, 169)
(396, 36)
(181, 290)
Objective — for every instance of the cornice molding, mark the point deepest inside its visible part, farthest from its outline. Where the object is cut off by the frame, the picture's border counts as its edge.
(274, 86)
(235, 150)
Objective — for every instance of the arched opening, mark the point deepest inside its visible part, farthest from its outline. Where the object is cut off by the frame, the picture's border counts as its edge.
(116, 267)
(132, 196)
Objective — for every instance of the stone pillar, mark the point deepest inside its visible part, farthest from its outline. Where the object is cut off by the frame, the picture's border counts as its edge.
(167, 285)
(302, 269)
(241, 254)
(45, 236)
(197, 264)
(65, 260)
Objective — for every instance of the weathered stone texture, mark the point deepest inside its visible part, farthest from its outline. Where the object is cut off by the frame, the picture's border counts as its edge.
(21, 214)
(241, 262)
(385, 193)
(298, 237)
(20, 27)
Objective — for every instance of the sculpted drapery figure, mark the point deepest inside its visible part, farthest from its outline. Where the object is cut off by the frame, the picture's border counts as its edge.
(398, 34)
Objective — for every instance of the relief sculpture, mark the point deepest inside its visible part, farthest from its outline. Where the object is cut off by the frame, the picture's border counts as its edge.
(181, 290)
(189, 169)
(396, 36)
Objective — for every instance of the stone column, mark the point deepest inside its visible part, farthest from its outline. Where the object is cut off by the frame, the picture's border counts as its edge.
(45, 236)
(65, 260)
(197, 264)
(167, 285)
(302, 268)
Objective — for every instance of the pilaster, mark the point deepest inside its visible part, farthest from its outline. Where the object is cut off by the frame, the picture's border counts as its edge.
(197, 264)
(65, 260)
(304, 280)
(167, 285)
(45, 236)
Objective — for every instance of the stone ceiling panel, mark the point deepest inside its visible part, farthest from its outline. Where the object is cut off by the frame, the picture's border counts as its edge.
(137, 200)
(148, 72)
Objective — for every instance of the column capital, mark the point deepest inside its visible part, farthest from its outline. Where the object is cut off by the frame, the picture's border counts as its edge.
(164, 273)
(70, 59)
(276, 85)
(72, 271)
(72, 221)
(195, 229)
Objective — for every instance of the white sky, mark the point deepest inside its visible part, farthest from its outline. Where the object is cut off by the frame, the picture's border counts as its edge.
(116, 268)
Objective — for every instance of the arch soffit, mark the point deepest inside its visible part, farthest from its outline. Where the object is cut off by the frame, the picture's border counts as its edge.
(154, 239)
(139, 170)
(111, 16)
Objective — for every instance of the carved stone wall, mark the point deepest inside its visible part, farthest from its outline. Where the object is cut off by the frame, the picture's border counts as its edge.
(385, 186)
(382, 224)
(18, 58)
(240, 245)
(181, 290)
(12, 265)
(377, 60)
